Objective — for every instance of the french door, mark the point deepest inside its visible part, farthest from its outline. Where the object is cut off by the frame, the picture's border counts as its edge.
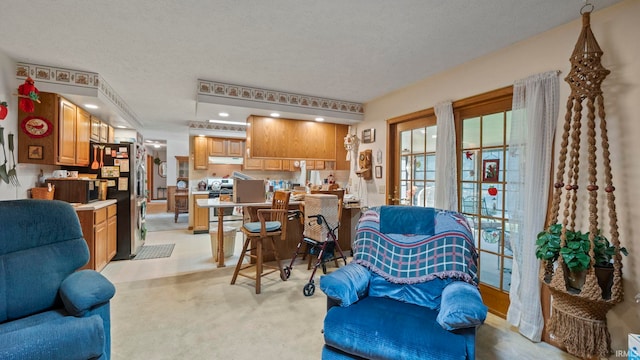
(482, 128)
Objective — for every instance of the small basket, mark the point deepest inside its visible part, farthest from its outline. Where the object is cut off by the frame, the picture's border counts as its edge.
(43, 193)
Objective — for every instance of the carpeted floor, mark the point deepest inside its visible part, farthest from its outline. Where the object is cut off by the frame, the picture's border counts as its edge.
(164, 221)
(201, 316)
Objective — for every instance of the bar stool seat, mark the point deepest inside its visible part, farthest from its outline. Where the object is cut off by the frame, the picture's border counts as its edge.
(270, 224)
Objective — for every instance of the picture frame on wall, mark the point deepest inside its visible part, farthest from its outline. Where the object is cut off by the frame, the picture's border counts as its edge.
(378, 171)
(490, 170)
(368, 135)
(35, 152)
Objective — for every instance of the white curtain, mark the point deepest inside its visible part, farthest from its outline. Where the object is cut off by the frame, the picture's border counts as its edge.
(446, 184)
(533, 123)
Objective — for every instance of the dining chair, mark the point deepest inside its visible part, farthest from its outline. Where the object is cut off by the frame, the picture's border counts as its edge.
(268, 225)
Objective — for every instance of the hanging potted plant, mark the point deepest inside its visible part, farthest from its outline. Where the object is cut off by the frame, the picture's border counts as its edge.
(575, 255)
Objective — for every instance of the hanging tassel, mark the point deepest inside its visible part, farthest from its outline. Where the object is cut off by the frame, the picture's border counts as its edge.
(582, 337)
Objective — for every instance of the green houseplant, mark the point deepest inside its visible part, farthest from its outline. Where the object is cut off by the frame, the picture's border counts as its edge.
(576, 254)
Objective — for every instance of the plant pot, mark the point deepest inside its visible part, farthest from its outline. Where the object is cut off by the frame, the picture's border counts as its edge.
(605, 279)
(574, 279)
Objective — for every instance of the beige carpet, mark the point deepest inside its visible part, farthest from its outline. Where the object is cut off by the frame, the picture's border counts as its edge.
(201, 316)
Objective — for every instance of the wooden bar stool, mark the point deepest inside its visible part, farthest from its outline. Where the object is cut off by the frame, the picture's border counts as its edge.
(271, 224)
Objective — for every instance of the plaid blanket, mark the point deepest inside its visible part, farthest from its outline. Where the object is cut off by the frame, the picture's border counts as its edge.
(409, 258)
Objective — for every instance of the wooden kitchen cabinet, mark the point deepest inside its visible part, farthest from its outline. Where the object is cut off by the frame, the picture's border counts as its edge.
(200, 215)
(68, 143)
(83, 128)
(112, 231)
(225, 147)
(200, 153)
(217, 147)
(99, 229)
(272, 164)
(95, 128)
(235, 148)
(104, 132)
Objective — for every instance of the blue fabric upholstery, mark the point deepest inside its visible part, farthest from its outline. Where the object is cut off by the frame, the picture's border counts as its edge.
(407, 220)
(347, 284)
(399, 319)
(269, 226)
(461, 306)
(47, 309)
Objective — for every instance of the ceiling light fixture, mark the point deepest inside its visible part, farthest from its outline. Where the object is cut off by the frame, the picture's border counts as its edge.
(320, 119)
(223, 114)
(91, 106)
(121, 127)
(274, 114)
(156, 146)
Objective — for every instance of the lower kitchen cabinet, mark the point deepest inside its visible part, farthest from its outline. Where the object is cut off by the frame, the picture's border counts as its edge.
(99, 228)
(200, 215)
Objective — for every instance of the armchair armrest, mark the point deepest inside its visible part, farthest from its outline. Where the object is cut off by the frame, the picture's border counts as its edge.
(83, 290)
(461, 306)
(346, 285)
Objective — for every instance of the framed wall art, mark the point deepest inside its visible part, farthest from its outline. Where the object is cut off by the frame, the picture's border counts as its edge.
(35, 152)
(368, 135)
(490, 170)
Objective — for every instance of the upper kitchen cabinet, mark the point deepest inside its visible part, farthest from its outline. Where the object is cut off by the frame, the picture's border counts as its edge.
(57, 132)
(291, 139)
(200, 153)
(225, 147)
(101, 131)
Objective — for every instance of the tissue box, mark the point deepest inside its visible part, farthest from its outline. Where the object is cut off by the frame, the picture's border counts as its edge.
(327, 206)
(634, 347)
(248, 191)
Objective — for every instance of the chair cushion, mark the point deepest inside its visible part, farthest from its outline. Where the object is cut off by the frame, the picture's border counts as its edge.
(65, 338)
(461, 306)
(254, 227)
(381, 328)
(425, 294)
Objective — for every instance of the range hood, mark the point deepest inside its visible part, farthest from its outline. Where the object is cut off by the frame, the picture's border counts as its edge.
(221, 160)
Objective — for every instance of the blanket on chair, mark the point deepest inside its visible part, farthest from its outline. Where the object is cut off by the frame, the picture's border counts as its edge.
(413, 258)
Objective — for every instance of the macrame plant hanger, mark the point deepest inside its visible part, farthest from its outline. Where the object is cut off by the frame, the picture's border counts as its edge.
(578, 318)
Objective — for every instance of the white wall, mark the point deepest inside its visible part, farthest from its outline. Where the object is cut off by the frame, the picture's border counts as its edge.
(27, 173)
(616, 29)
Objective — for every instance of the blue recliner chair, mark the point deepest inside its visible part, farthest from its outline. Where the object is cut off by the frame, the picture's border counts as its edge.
(48, 310)
(410, 291)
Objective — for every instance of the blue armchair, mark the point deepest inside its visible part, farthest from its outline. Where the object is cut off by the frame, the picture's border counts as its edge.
(410, 291)
(48, 310)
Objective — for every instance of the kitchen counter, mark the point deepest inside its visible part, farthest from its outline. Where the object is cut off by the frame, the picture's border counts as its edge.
(93, 205)
(200, 192)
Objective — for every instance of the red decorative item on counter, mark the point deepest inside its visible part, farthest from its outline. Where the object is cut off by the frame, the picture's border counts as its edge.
(27, 94)
(3, 110)
(493, 191)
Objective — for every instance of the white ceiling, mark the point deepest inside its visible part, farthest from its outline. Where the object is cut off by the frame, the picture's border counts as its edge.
(153, 52)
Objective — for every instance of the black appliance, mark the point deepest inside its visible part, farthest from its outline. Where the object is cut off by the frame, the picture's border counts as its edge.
(75, 190)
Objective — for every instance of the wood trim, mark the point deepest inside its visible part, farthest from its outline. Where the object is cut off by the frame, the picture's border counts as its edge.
(412, 116)
(484, 98)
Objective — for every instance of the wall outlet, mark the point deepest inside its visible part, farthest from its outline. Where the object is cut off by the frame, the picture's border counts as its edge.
(382, 189)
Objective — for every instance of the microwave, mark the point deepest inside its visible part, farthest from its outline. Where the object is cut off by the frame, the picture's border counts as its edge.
(75, 190)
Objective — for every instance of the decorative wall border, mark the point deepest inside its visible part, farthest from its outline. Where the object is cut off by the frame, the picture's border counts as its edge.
(216, 126)
(70, 77)
(241, 92)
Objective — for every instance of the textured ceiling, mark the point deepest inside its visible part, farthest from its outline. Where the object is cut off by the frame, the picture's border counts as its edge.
(153, 52)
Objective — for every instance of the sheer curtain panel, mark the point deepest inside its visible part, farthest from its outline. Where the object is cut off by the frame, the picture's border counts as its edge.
(534, 118)
(446, 184)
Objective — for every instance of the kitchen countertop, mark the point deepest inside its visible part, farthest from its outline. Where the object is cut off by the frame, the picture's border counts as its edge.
(93, 205)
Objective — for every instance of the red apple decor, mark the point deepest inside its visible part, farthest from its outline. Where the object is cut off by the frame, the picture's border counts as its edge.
(492, 191)
(3, 110)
